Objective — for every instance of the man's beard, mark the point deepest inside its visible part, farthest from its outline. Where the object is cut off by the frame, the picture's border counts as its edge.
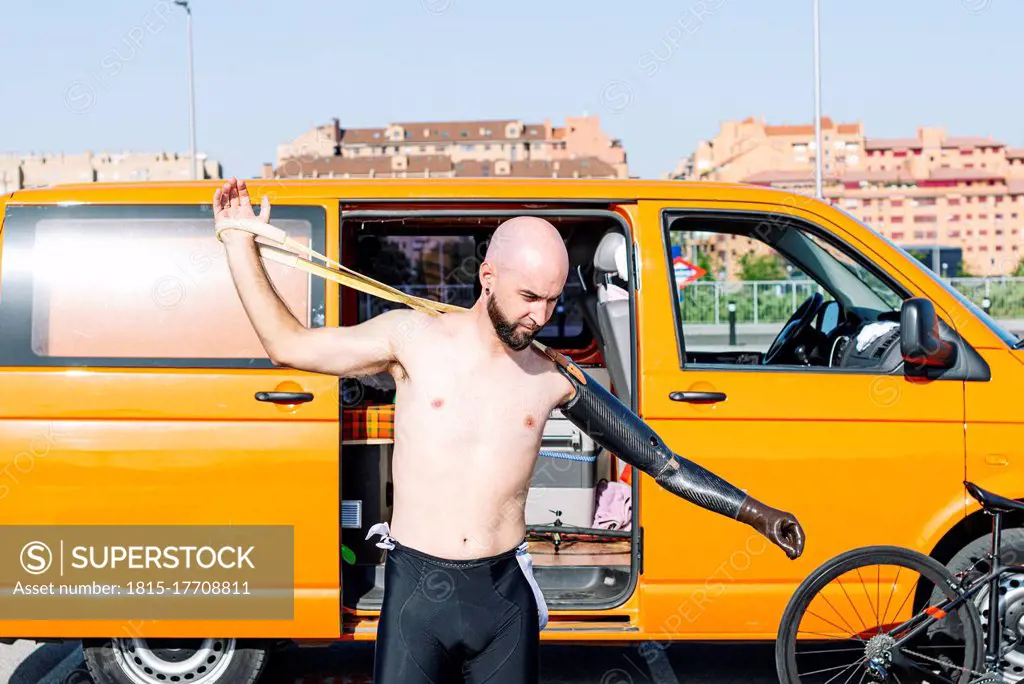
(506, 331)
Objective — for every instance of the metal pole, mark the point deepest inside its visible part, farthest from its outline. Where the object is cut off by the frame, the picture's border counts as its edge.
(732, 324)
(191, 91)
(817, 105)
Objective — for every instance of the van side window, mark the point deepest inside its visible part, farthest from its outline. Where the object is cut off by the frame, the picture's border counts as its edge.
(778, 292)
(136, 286)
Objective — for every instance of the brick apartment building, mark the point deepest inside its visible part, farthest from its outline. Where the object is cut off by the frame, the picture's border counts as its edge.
(921, 192)
(506, 147)
(41, 170)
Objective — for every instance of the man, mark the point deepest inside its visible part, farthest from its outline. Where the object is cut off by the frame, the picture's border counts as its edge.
(472, 398)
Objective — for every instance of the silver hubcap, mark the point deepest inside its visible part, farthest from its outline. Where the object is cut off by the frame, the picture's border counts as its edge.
(197, 661)
(1011, 609)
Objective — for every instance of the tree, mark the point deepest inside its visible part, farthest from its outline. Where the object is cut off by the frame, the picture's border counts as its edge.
(761, 267)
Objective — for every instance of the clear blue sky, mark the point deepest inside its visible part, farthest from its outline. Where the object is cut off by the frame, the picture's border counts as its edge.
(112, 74)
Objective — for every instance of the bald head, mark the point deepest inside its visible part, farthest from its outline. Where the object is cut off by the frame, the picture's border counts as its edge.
(523, 274)
(527, 242)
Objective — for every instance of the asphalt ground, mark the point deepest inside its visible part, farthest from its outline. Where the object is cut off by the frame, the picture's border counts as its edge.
(30, 663)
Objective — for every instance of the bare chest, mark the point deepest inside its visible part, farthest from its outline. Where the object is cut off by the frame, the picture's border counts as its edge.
(477, 400)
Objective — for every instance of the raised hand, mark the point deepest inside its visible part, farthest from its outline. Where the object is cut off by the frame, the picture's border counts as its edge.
(232, 201)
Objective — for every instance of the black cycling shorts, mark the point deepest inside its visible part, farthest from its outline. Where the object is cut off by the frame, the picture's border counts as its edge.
(451, 621)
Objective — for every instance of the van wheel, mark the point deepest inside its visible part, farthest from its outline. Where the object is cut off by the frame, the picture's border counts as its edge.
(972, 559)
(160, 661)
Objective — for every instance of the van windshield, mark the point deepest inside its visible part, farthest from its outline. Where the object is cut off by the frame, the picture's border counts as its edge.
(992, 324)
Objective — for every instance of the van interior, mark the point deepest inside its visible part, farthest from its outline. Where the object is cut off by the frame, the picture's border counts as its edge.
(579, 513)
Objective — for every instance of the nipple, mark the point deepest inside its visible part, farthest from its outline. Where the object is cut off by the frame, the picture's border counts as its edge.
(437, 403)
(529, 421)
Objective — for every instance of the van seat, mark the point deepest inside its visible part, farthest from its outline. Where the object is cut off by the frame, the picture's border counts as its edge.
(613, 312)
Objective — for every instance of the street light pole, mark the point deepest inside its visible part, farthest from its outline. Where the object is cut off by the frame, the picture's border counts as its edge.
(191, 91)
(819, 152)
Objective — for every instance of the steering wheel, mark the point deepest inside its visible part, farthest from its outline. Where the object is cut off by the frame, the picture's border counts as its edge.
(796, 324)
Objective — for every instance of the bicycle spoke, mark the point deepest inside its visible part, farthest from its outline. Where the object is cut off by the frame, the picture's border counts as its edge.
(865, 588)
(851, 604)
(844, 668)
(832, 650)
(909, 594)
(852, 631)
(878, 584)
(859, 662)
(830, 637)
(899, 569)
(848, 625)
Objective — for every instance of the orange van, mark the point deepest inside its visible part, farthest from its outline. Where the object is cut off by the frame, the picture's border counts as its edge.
(165, 486)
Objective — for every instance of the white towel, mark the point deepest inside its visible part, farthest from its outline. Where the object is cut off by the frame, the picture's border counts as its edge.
(870, 333)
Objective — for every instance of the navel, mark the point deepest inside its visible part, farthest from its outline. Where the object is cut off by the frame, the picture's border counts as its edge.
(437, 403)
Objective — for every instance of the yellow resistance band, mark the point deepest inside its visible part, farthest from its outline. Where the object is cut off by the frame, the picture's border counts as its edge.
(275, 245)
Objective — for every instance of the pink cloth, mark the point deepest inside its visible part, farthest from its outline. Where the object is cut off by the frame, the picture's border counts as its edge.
(614, 509)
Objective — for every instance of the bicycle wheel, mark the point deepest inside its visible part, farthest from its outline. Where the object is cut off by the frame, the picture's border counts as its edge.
(842, 622)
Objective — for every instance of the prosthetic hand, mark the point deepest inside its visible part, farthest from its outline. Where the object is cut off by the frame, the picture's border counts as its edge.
(612, 425)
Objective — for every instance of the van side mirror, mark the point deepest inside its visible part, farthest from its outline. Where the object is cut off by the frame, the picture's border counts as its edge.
(920, 341)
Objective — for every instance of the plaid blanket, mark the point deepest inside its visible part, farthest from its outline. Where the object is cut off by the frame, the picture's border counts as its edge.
(368, 422)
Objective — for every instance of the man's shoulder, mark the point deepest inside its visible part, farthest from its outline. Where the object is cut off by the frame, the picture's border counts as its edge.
(559, 362)
(563, 372)
(402, 322)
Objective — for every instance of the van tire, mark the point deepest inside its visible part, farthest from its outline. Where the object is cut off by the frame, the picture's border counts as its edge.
(137, 661)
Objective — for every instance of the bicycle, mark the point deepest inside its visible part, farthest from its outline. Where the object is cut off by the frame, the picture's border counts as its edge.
(947, 626)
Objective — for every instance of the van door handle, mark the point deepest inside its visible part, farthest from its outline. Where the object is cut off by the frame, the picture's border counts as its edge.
(697, 397)
(285, 397)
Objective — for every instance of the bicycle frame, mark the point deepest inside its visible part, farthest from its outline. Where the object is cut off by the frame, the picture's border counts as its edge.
(991, 578)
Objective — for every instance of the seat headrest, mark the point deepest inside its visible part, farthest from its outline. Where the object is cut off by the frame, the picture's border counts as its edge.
(610, 256)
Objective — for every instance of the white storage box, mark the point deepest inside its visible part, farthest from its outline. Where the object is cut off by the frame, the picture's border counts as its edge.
(565, 476)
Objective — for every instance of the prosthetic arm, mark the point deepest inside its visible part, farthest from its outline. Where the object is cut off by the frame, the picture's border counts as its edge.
(612, 425)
